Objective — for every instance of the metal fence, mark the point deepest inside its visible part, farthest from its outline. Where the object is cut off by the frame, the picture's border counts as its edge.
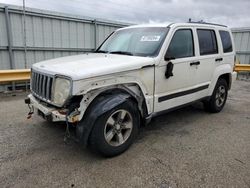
(35, 35)
(242, 43)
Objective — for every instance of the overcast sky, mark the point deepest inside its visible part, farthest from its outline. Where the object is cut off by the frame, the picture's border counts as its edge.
(234, 13)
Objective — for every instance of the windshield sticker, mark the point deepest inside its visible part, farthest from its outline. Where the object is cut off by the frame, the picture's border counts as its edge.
(150, 38)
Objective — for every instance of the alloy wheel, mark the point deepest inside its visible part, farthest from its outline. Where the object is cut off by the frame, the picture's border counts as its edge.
(118, 127)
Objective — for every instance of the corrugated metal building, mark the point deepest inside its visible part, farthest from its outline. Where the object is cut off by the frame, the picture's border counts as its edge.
(46, 35)
(242, 43)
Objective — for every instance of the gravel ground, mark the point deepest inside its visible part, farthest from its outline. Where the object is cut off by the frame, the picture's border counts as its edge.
(184, 148)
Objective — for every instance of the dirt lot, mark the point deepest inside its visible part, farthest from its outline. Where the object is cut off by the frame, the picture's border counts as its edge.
(184, 148)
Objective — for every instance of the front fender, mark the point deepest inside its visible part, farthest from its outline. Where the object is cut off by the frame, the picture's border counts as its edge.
(143, 78)
(96, 109)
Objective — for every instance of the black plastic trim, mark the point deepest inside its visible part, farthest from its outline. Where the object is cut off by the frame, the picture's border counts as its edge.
(27, 101)
(147, 66)
(182, 93)
(195, 63)
(219, 59)
(95, 110)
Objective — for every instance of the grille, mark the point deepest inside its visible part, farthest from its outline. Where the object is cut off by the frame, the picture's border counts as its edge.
(41, 85)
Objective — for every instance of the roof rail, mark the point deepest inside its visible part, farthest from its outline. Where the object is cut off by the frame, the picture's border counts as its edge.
(202, 22)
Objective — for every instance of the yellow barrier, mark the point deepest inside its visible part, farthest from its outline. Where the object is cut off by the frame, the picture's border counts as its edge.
(242, 67)
(14, 75)
(24, 74)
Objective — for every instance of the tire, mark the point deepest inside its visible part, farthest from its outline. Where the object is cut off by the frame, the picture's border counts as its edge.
(218, 99)
(115, 131)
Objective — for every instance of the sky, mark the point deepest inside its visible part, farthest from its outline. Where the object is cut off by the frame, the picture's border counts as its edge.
(233, 13)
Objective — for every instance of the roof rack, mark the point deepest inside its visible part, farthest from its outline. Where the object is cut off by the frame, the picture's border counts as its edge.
(202, 22)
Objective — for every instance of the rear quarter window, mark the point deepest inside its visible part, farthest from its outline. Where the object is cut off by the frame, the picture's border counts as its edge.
(207, 41)
(226, 41)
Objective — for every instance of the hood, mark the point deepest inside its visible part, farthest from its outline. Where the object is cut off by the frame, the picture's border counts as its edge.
(91, 65)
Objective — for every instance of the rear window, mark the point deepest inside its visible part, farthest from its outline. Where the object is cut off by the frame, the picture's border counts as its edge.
(207, 42)
(226, 41)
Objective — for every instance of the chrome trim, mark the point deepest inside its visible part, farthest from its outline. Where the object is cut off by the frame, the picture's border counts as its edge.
(42, 86)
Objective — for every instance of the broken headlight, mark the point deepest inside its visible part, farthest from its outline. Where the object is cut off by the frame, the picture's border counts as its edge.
(62, 89)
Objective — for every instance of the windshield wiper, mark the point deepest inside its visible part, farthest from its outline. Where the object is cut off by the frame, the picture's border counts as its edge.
(101, 51)
(121, 52)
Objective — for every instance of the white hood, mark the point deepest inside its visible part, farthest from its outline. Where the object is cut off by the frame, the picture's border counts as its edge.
(91, 65)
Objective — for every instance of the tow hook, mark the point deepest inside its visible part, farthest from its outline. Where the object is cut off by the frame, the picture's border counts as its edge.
(73, 118)
(27, 101)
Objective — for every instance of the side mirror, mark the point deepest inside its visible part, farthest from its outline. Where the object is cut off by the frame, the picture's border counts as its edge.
(169, 70)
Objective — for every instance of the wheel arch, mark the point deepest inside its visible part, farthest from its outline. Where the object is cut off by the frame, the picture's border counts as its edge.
(228, 78)
(136, 93)
(223, 71)
(136, 96)
(111, 97)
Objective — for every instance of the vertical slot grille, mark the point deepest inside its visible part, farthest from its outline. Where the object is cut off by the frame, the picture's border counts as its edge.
(41, 85)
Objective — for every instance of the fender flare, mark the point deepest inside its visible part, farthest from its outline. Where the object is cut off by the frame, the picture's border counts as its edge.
(222, 69)
(96, 109)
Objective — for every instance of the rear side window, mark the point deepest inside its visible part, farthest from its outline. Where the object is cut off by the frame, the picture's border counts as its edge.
(181, 44)
(226, 41)
(207, 42)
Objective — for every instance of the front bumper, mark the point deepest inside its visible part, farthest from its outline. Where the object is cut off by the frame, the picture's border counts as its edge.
(49, 113)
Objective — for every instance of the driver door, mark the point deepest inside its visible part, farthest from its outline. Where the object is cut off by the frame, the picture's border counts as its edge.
(177, 89)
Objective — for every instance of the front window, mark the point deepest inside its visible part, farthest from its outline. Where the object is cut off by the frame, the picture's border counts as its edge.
(181, 45)
(145, 42)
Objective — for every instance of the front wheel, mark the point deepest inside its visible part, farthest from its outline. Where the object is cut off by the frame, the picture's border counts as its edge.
(115, 130)
(218, 98)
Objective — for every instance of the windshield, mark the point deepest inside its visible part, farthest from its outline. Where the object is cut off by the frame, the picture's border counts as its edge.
(145, 41)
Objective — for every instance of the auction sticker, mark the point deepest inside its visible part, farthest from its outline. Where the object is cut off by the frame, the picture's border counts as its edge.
(150, 38)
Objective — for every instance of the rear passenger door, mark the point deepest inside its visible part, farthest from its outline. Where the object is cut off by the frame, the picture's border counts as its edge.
(208, 53)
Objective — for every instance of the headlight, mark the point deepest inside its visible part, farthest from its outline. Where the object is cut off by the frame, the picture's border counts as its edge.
(62, 89)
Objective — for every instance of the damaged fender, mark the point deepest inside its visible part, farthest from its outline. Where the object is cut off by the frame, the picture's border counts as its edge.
(96, 109)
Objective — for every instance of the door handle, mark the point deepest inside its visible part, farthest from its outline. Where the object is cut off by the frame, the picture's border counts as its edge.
(194, 63)
(219, 59)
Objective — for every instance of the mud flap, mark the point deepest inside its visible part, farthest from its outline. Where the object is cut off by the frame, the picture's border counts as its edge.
(95, 110)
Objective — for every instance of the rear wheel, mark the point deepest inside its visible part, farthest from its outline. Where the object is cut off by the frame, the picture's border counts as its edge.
(218, 98)
(115, 130)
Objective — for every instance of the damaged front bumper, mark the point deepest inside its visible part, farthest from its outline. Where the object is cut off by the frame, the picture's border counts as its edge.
(50, 113)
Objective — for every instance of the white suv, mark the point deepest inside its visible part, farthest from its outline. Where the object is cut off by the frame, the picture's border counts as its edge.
(137, 73)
